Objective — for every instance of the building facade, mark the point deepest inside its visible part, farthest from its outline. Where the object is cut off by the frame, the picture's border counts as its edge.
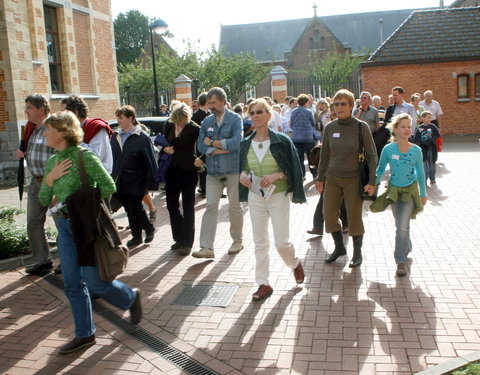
(55, 48)
(436, 50)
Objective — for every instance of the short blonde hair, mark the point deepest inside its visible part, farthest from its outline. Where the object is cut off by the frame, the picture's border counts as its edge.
(261, 102)
(179, 112)
(66, 123)
(345, 94)
(396, 121)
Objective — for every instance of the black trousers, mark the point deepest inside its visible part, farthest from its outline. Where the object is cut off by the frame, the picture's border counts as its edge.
(318, 219)
(182, 223)
(137, 217)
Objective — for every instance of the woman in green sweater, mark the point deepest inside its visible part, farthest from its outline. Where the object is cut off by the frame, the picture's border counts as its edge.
(270, 172)
(62, 178)
(339, 175)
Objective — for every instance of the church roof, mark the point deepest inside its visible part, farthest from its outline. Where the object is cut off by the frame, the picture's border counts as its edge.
(270, 40)
(433, 35)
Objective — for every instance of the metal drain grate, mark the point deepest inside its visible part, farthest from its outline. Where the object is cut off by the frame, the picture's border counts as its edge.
(171, 354)
(206, 295)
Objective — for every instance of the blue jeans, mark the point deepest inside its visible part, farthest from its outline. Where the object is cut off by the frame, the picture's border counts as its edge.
(403, 245)
(429, 166)
(76, 279)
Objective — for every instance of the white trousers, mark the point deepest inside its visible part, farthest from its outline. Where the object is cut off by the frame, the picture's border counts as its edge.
(277, 208)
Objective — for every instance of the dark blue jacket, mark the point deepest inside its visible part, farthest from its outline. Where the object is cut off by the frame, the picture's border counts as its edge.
(134, 165)
(286, 156)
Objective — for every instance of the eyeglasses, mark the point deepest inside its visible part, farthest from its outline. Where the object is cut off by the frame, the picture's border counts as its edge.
(338, 104)
(258, 112)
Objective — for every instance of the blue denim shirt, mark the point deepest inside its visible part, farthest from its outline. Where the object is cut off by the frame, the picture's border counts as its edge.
(286, 156)
(230, 134)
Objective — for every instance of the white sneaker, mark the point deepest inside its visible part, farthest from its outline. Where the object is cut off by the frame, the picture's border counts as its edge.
(204, 252)
(236, 247)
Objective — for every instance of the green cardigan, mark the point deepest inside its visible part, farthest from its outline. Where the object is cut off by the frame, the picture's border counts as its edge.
(404, 194)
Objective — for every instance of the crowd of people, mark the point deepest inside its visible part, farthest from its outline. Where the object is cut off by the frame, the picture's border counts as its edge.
(256, 152)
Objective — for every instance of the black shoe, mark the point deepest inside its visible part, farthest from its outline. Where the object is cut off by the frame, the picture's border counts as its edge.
(149, 236)
(136, 308)
(336, 254)
(315, 232)
(356, 260)
(133, 242)
(176, 246)
(77, 344)
(184, 250)
(39, 269)
(58, 269)
(224, 195)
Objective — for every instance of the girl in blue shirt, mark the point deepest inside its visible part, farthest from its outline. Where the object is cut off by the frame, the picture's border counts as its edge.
(406, 171)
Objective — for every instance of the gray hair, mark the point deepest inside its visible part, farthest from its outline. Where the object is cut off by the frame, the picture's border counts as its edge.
(181, 111)
(366, 93)
(376, 97)
(218, 92)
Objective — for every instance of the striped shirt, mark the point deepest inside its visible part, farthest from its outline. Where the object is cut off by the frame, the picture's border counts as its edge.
(38, 152)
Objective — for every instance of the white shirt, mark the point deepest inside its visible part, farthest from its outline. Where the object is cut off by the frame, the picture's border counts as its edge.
(275, 122)
(407, 108)
(100, 146)
(433, 107)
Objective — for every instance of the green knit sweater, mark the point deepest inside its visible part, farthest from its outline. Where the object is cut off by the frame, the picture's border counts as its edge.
(266, 167)
(69, 183)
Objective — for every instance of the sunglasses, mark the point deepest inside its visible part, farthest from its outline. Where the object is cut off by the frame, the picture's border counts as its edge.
(258, 112)
(338, 104)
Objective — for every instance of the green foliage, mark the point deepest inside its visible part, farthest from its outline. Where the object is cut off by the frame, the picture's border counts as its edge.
(471, 369)
(335, 69)
(236, 74)
(13, 236)
(131, 35)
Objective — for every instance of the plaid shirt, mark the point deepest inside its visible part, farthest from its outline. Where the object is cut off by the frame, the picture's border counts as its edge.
(38, 152)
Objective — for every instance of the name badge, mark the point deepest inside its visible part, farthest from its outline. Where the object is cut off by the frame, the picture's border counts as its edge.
(210, 130)
(336, 135)
(396, 157)
(39, 140)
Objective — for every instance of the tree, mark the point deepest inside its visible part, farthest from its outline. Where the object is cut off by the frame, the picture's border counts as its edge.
(236, 74)
(131, 35)
(334, 70)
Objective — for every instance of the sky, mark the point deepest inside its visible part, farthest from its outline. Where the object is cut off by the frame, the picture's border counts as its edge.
(199, 22)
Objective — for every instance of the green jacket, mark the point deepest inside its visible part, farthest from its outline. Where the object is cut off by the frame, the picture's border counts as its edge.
(395, 193)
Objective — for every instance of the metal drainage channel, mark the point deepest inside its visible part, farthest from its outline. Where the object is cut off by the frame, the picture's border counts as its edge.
(176, 357)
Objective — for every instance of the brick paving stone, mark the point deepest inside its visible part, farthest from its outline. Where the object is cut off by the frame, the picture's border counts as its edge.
(341, 321)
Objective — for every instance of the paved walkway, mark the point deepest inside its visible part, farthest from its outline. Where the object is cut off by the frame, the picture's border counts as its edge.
(342, 321)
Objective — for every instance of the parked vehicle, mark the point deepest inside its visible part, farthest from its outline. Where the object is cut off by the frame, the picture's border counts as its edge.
(154, 123)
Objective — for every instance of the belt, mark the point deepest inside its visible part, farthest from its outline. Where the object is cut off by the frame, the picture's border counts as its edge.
(38, 178)
(65, 215)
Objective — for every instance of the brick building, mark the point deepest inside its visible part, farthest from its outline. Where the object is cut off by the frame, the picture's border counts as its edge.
(55, 48)
(436, 50)
(291, 44)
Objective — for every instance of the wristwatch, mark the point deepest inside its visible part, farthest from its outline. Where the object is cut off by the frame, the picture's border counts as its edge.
(211, 142)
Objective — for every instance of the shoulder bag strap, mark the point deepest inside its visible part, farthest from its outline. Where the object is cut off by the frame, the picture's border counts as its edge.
(361, 150)
(81, 169)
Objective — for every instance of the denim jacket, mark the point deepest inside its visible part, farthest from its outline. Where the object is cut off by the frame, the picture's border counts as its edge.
(230, 134)
(286, 156)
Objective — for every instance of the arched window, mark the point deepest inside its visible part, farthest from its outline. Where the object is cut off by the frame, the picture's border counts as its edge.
(311, 43)
(316, 39)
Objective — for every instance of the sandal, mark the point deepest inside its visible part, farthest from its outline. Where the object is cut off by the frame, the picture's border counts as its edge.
(263, 292)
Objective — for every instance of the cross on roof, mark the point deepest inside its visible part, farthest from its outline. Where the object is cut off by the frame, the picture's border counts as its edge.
(315, 9)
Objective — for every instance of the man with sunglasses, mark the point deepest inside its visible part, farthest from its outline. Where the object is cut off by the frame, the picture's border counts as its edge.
(219, 139)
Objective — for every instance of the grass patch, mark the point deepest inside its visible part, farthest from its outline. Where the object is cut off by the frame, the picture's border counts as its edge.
(471, 369)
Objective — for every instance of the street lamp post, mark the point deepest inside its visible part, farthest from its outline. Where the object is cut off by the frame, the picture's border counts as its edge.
(157, 26)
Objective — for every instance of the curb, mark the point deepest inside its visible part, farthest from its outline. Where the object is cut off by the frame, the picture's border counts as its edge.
(451, 365)
(13, 263)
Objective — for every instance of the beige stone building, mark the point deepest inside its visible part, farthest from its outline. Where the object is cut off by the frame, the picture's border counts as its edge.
(55, 48)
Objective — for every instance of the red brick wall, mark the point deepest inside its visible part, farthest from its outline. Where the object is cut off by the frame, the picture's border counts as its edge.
(105, 62)
(458, 118)
(101, 6)
(83, 52)
(4, 115)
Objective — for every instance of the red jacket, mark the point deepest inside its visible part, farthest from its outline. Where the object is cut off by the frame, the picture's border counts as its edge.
(92, 126)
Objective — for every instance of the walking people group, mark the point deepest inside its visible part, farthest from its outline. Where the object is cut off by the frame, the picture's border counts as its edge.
(265, 169)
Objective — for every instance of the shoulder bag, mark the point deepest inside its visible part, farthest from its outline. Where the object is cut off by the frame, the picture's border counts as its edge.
(363, 167)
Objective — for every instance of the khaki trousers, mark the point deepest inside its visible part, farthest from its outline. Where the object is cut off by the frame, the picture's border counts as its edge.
(336, 189)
